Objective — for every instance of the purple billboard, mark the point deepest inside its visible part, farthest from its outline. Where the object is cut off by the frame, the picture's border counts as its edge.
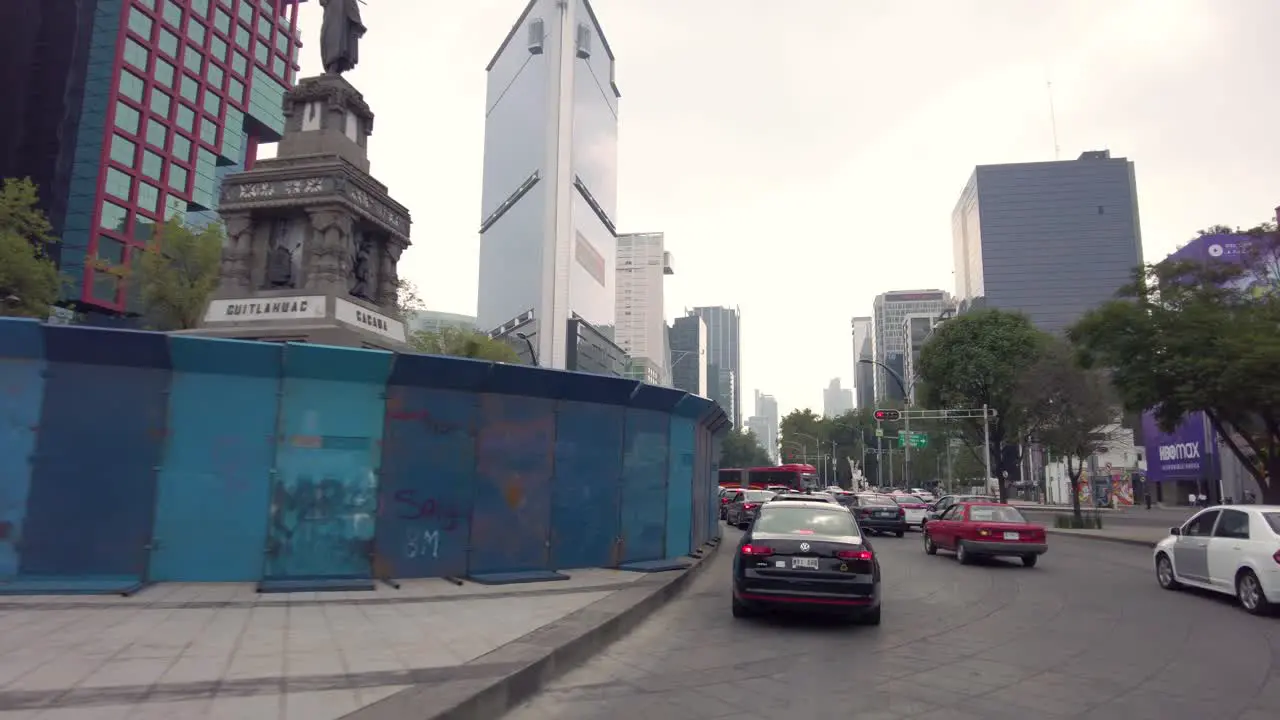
(1180, 455)
(1231, 248)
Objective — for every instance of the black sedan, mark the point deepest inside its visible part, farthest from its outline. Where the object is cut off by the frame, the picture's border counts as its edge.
(806, 556)
(879, 513)
(744, 505)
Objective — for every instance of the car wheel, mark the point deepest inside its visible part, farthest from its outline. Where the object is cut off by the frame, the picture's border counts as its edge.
(962, 554)
(743, 525)
(929, 547)
(1249, 592)
(1164, 573)
(900, 533)
(740, 610)
(870, 617)
(1030, 560)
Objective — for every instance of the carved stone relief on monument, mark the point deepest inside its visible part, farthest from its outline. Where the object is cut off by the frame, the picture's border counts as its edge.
(388, 276)
(330, 250)
(284, 256)
(362, 269)
(237, 253)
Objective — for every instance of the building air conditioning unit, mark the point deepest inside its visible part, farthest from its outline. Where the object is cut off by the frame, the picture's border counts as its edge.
(536, 35)
(584, 41)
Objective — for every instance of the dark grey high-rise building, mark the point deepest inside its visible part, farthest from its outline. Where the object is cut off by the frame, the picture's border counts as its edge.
(689, 355)
(1051, 239)
(724, 352)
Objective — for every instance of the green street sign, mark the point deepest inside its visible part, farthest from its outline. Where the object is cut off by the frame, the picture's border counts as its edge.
(917, 440)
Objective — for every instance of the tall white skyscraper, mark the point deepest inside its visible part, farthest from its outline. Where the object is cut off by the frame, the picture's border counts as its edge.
(765, 423)
(724, 357)
(549, 205)
(641, 328)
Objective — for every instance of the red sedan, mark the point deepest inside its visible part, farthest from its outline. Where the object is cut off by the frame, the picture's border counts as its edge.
(985, 529)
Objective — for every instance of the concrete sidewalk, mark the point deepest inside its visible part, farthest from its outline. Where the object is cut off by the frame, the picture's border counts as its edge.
(225, 652)
(1146, 537)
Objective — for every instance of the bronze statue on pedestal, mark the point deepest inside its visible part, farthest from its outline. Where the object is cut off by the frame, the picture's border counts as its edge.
(340, 34)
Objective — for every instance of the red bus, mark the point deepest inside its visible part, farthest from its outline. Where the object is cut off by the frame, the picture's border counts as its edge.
(794, 476)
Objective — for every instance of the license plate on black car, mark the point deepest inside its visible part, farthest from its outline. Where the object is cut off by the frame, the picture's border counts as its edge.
(886, 513)
(806, 563)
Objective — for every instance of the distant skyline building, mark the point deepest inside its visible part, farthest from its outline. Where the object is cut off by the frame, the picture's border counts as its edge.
(864, 374)
(689, 355)
(889, 342)
(725, 353)
(766, 423)
(432, 321)
(548, 224)
(642, 265)
(128, 113)
(1050, 239)
(836, 400)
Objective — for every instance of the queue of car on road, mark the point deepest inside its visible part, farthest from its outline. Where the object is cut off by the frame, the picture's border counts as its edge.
(812, 550)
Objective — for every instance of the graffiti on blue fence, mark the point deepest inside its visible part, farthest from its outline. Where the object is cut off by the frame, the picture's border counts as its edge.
(322, 526)
(430, 518)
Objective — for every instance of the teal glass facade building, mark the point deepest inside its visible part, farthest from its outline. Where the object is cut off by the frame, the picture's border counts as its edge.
(172, 96)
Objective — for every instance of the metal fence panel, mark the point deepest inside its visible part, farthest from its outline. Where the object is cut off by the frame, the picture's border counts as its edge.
(22, 368)
(214, 484)
(680, 487)
(511, 510)
(644, 485)
(324, 495)
(428, 469)
(92, 501)
(585, 495)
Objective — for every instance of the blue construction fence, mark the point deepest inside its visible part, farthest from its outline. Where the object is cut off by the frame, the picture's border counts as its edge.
(131, 457)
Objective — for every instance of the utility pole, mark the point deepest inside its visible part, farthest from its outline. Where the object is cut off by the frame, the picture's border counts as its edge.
(879, 454)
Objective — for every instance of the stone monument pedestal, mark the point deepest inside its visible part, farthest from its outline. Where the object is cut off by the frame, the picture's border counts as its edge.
(313, 240)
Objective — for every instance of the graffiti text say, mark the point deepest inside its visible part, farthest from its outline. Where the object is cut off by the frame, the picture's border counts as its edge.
(410, 507)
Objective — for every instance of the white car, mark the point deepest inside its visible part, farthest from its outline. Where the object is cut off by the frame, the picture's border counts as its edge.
(916, 508)
(1232, 549)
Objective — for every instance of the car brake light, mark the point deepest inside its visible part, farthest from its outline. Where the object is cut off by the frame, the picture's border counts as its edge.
(901, 512)
(756, 550)
(854, 555)
(748, 506)
(1276, 557)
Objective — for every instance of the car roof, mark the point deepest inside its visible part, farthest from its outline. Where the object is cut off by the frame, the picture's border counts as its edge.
(815, 504)
(1246, 508)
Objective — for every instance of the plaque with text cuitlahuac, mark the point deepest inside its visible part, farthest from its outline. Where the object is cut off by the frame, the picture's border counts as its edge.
(304, 307)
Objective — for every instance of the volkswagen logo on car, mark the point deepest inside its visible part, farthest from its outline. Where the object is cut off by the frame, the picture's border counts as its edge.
(804, 547)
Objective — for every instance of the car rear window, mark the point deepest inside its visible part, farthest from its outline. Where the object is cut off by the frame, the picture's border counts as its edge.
(1273, 519)
(908, 500)
(759, 495)
(995, 513)
(875, 500)
(805, 521)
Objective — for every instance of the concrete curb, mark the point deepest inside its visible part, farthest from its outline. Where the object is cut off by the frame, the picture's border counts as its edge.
(1103, 538)
(538, 658)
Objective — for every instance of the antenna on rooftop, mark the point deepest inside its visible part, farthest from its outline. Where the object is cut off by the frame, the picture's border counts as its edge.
(1053, 117)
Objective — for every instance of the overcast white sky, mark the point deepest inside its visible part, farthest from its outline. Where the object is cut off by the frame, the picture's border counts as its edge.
(804, 156)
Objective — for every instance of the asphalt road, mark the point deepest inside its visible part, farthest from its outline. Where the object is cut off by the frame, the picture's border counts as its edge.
(1133, 517)
(1085, 634)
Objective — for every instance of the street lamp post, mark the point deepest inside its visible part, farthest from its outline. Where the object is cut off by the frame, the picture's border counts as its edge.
(533, 354)
(817, 444)
(906, 417)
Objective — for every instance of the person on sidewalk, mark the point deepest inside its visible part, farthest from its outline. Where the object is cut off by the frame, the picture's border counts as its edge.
(1148, 498)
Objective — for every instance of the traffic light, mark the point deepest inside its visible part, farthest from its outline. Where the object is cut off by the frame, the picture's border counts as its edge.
(888, 415)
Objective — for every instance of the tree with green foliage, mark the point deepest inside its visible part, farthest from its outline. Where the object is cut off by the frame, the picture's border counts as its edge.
(177, 275)
(742, 450)
(1070, 410)
(29, 281)
(463, 343)
(1189, 337)
(977, 359)
(408, 300)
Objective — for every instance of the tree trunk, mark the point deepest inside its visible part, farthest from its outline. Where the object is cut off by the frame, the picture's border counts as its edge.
(1073, 474)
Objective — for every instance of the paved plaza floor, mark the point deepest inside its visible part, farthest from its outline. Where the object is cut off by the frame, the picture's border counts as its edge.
(223, 651)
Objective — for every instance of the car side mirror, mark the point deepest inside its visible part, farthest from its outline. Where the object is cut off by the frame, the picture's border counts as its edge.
(1175, 531)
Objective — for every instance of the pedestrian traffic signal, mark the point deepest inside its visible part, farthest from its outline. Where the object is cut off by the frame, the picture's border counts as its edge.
(888, 415)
